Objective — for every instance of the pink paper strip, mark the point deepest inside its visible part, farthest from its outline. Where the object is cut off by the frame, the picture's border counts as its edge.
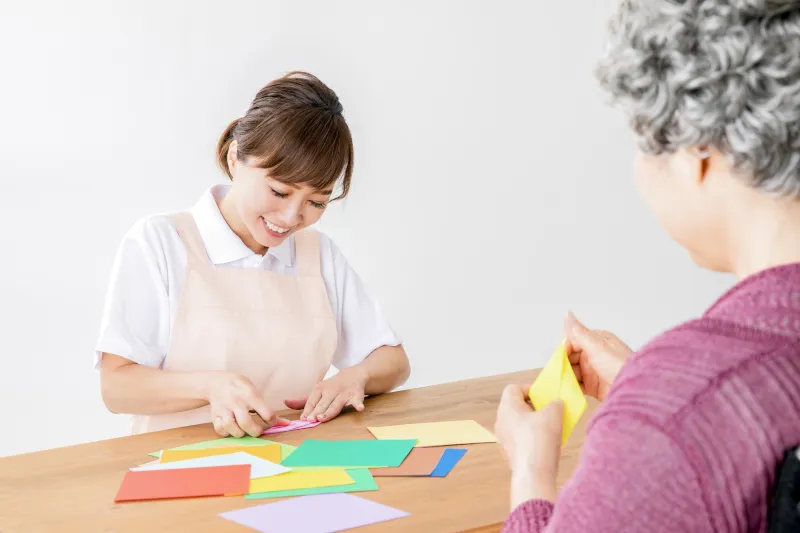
(293, 425)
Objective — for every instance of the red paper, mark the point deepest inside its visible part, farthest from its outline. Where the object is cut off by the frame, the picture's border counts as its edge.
(184, 483)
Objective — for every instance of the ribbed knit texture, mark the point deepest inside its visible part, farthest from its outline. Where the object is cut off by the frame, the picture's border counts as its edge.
(691, 434)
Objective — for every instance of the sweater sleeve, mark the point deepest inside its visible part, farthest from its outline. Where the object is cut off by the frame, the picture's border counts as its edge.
(631, 477)
(532, 515)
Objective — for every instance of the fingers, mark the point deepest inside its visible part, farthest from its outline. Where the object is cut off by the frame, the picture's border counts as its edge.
(357, 401)
(576, 368)
(553, 413)
(514, 391)
(573, 354)
(257, 404)
(230, 425)
(219, 428)
(514, 396)
(334, 409)
(257, 419)
(578, 336)
(579, 377)
(312, 401)
(262, 424)
(322, 405)
(555, 406)
(246, 422)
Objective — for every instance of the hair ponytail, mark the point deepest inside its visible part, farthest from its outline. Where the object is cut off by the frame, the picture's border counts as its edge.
(223, 145)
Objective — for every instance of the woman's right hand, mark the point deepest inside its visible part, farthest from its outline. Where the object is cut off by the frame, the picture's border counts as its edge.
(233, 398)
(596, 356)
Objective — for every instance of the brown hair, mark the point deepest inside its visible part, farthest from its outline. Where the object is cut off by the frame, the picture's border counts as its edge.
(295, 129)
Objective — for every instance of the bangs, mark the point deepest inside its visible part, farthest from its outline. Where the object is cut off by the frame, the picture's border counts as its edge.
(306, 147)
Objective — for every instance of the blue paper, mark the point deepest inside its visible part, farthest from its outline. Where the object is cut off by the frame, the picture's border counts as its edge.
(449, 459)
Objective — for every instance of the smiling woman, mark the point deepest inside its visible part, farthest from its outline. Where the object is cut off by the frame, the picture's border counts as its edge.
(234, 310)
(287, 154)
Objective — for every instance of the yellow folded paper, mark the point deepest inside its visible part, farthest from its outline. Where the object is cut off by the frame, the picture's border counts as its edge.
(557, 380)
(301, 480)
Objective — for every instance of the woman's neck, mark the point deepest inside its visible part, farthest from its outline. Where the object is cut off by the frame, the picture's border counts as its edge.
(227, 208)
(765, 234)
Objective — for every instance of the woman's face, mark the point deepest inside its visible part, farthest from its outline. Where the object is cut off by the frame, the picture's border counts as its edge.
(683, 195)
(270, 209)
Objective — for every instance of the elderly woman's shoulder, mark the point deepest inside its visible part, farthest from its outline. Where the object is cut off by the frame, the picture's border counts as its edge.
(697, 362)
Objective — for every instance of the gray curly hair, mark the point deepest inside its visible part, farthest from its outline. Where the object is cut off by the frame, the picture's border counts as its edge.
(723, 73)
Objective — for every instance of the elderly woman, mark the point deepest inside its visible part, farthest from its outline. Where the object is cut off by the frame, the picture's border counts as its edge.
(694, 425)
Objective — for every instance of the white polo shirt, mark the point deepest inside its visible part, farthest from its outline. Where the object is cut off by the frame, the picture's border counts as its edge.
(148, 273)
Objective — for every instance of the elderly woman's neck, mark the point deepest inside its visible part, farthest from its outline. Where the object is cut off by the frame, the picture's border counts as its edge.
(764, 233)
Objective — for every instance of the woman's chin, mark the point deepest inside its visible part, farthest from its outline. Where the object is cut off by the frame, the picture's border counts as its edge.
(268, 240)
(706, 262)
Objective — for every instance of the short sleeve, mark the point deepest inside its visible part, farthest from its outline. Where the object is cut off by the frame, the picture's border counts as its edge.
(135, 323)
(361, 325)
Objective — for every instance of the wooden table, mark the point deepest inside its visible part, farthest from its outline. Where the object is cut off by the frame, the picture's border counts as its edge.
(73, 488)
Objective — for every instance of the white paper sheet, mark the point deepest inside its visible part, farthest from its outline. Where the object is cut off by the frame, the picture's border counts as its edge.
(258, 467)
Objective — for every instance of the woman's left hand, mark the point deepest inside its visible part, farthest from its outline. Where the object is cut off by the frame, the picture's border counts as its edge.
(329, 397)
(531, 442)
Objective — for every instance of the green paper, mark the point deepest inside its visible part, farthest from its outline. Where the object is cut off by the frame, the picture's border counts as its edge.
(286, 450)
(289, 449)
(231, 441)
(350, 453)
(364, 482)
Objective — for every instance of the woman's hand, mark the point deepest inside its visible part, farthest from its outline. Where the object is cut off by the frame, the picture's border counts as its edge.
(233, 398)
(596, 356)
(531, 442)
(329, 397)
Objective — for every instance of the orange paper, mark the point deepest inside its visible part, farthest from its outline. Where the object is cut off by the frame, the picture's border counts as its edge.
(271, 452)
(184, 483)
(420, 462)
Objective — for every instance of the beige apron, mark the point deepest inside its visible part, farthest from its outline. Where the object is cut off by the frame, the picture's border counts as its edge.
(276, 329)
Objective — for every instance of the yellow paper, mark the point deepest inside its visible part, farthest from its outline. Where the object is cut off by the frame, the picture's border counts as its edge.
(311, 479)
(271, 452)
(557, 380)
(436, 433)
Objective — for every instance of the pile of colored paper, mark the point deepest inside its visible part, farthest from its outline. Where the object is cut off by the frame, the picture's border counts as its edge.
(318, 472)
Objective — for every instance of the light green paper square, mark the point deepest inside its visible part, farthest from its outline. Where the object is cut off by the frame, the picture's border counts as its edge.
(290, 449)
(364, 482)
(350, 453)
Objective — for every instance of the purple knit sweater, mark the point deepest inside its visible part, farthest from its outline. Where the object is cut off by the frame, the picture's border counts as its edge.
(690, 436)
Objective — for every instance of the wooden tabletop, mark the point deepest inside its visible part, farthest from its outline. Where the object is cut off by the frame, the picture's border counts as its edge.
(73, 488)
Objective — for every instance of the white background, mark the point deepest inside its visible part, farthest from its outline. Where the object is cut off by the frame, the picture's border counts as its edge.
(492, 189)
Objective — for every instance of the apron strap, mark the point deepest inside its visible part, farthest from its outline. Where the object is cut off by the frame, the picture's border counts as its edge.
(306, 245)
(190, 235)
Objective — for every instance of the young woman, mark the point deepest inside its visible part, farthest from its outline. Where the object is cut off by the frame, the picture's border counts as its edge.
(694, 425)
(233, 310)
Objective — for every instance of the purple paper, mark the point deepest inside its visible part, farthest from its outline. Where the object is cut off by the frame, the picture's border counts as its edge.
(293, 425)
(319, 513)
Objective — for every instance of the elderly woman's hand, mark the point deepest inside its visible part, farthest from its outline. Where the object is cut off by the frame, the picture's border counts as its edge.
(596, 356)
(531, 442)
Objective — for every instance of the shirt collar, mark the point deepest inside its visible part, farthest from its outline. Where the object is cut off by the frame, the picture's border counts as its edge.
(768, 300)
(222, 244)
